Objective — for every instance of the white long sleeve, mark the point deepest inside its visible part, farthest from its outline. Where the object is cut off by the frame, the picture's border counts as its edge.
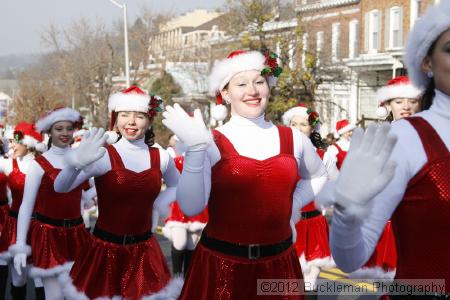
(254, 138)
(135, 156)
(353, 242)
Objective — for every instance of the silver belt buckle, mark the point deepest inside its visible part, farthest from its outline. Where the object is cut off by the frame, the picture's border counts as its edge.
(254, 251)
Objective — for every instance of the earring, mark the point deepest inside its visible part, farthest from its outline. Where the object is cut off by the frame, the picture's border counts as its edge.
(430, 74)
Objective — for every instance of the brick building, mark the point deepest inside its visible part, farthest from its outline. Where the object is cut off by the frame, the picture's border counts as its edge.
(365, 39)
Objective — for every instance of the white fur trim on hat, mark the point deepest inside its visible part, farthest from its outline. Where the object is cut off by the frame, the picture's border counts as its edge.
(219, 112)
(224, 70)
(62, 114)
(29, 141)
(347, 128)
(129, 102)
(427, 29)
(390, 92)
(295, 111)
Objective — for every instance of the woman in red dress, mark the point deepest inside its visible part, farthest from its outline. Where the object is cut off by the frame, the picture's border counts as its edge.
(24, 141)
(123, 258)
(56, 233)
(248, 174)
(312, 244)
(407, 182)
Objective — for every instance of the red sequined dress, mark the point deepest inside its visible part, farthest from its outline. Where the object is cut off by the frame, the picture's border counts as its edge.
(16, 183)
(176, 216)
(250, 203)
(382, 263)
(312, 245)
(125, 203)
(421, 222)
(3, 200)
(55, 246)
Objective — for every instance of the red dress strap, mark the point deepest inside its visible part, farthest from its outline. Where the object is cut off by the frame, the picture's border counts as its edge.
(116, 160)
(155, 160)
(45, 164)
(226, 148)
(338, 148)
(286, 140)
(15, 165)
(432, 143)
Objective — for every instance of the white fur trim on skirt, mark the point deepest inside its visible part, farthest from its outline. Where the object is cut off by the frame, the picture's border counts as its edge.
(170, 292)
(372, 274)
(322, 263)
(55, 271)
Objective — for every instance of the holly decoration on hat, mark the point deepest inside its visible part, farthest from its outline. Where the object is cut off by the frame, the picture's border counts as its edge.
(156, 105)
(313, 117)
(271, 65)
(18, 136)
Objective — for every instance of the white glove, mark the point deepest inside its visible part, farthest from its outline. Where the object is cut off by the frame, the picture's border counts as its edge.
(366, 170)
(20, 253)
(90, 149)
(191, 131)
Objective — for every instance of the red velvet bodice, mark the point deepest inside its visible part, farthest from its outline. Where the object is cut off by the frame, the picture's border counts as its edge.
(125, 197)
(52, 204)
(251, 200)
(16, 183)
(3, 184)
(421, 222)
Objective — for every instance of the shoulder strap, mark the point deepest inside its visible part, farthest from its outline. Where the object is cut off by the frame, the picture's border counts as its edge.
(226, 148)
(116, 160)
(286, 140)
(44, 163)
(432, 143)
(15, 164)
(155, 160)
(338, 147)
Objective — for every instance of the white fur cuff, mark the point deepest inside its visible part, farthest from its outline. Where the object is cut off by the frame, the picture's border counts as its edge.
(19, 248)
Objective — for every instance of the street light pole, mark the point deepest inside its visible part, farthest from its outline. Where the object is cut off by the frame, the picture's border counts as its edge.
(125, 34)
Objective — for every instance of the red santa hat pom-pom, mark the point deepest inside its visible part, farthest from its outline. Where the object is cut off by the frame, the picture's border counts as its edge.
(382, 112)
(220, 111)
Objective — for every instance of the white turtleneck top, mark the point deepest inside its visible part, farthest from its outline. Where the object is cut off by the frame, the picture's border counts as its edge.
(254, 138)
(352, 242)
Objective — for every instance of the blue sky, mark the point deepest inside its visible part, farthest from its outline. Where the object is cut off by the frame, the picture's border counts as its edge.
(23, 21)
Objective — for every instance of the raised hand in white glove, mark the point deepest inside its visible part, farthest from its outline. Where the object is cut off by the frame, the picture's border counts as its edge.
(90, 149)
(191, 131)
(366, 170)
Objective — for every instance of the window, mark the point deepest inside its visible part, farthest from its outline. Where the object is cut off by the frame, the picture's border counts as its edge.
(335, 41)
(304, 49)
(291, 54)
(319, 46)
(353, 39)
(395, 27)
(415, 12)
(374, 30)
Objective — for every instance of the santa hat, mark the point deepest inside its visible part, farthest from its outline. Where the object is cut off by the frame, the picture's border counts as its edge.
(303, 111)
(26, 134)
(344, 126)
(133, 99)
(236, 62)
(56, 115)
(425, 32)
(398, 87)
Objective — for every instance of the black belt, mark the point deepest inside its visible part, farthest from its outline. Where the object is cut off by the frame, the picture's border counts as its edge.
(121, 239)
(253, 251)
(310, 214)
(58, 222)
(3, 202)
(13, 214)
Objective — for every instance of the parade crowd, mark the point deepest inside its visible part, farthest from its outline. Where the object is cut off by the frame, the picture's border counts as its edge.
(244, 201)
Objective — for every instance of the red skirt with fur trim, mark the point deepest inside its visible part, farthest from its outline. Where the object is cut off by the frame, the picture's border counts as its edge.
(55, 248)
(105, 269)
(176, 215)
(8, 236)
(214, 275)
(3, 215)
(312, 239)
(385, 254)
